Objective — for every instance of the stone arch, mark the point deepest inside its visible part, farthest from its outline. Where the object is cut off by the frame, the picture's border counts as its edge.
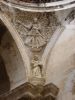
(18, 42)
(12, 56)
(51, 45)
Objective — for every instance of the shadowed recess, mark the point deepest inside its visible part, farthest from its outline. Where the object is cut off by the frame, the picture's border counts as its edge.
(4, 79)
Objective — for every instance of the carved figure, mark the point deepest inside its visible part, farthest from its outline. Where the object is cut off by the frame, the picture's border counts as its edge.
(36, 68)
(34, 36)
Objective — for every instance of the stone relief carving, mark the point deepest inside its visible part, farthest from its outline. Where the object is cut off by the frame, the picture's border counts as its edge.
(35, 31)
(35, 28)
(37, 68)
(34, 37)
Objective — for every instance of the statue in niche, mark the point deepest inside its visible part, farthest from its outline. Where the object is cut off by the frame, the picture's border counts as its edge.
(36, 68)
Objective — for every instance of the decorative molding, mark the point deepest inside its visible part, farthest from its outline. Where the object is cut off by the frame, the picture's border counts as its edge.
(43, 7)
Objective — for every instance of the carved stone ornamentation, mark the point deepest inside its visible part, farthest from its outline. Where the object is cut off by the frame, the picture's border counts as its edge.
(36, 69)
(34, 38)
(35, 28)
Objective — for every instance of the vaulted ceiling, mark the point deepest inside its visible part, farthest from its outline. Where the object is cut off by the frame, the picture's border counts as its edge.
(38, 47)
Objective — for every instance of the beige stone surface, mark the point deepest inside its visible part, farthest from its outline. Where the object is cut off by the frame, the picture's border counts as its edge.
(48, 36)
